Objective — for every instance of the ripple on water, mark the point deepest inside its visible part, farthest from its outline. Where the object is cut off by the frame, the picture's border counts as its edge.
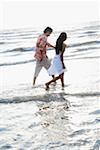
(96, 145)
(5, 147)
(96, 112)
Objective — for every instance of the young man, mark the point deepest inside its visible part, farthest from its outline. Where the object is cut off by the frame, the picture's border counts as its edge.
(40, 54)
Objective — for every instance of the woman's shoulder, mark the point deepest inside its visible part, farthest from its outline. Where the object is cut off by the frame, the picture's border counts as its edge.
(64, 45)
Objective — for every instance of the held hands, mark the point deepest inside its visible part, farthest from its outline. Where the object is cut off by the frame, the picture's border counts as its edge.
(49, 45)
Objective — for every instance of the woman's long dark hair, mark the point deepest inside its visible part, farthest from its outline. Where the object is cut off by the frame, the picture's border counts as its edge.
(59, 43)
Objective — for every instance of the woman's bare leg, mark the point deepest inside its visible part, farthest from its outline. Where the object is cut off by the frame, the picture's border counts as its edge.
(62, 79)
(53, 80)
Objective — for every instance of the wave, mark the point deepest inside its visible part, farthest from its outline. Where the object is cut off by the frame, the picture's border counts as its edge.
(71, 57)
(96, 145)
(32, 60)
(47, 97)
(41, 98)
(17, 63)
(86, 49)
(79, 132)
(93, 26)
(91, 94)
(97, 112)
(85, 43)
(20, 49)
(2, 43)
(90, 32)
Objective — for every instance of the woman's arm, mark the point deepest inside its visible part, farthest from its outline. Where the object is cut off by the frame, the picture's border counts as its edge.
(62, 52)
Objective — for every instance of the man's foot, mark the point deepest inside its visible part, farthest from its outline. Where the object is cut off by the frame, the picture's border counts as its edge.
(47, 86)
(33, 83)
(63, 87)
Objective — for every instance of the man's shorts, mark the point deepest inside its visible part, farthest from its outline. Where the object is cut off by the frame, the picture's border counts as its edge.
(39, 64)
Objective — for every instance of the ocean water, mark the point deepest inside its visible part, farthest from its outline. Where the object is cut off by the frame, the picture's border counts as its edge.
(59, 119)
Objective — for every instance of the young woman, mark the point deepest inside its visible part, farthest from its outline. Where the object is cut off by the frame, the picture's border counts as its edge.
(57, 67)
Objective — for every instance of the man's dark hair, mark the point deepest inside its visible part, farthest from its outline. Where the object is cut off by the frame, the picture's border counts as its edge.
(48, 29)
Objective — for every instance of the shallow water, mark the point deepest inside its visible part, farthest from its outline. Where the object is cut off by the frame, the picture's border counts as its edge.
(59, 119)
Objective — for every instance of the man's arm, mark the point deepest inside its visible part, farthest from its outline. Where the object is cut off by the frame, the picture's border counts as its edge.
(49, 45)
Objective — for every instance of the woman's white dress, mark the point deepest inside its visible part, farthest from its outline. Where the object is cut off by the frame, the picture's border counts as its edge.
(56, 67)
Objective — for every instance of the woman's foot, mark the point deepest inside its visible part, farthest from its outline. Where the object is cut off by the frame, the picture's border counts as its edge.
(47, 86)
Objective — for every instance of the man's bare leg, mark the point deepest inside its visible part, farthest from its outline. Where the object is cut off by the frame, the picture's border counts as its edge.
(34, 80)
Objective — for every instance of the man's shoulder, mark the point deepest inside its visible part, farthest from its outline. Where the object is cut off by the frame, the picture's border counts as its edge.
(42, 36)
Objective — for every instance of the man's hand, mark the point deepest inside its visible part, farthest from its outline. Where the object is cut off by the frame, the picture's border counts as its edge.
(50, 45)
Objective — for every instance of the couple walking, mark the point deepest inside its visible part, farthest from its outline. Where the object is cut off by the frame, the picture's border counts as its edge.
(56, 67)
